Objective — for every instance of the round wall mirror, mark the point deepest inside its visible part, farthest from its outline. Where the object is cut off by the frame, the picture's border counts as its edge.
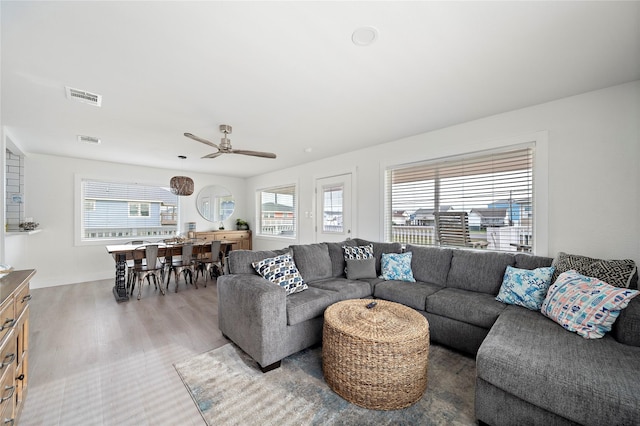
(215, 203)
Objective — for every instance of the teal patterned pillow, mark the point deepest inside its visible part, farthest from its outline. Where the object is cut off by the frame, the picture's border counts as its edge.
(524, 287)
(281, 270)
(397, 267)
(585, 305)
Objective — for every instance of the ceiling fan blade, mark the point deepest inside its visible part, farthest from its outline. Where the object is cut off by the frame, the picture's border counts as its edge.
(214, 155)
(253, 153)
(199, 139)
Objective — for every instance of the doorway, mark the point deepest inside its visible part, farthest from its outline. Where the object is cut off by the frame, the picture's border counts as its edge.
(334, 207)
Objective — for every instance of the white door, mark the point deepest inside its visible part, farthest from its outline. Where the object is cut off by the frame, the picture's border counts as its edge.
(333, 208)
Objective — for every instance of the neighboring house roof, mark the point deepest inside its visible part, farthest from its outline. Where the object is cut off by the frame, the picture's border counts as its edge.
(491, 213)
(273, 207)
(429, 212)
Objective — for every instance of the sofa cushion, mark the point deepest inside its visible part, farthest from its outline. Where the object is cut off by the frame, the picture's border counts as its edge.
(480, 271)
(413, 295)
(594, 382)
(313, 261)
(525, 287)
(529, 261)
(379, 248)
(430, 264)
(309, 304)
(479, 309)
(336, 253)
(346, 289)
(240, 261)
(361, 268)
(626, 329)
(618, 273)
(397, 267)
(281, 270)
(585, 305)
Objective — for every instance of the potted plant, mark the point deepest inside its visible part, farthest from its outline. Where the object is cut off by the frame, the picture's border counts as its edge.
(242, 225)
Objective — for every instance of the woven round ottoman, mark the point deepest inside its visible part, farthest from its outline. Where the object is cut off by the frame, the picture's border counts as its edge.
(375, 357)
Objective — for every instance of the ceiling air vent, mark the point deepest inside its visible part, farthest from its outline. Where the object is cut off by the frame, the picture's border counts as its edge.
(88, 139)
(84, 96)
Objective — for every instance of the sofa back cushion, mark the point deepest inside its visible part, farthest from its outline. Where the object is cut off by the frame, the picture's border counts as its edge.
(313, 261)
(480, 271)
(240, 261)
(626, 329)
(430, 264)
(379, 248)
(529, 261)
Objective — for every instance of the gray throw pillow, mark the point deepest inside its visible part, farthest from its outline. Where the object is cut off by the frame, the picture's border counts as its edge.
(361, 268)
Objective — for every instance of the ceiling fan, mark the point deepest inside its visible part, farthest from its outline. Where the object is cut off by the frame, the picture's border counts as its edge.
(225, 145)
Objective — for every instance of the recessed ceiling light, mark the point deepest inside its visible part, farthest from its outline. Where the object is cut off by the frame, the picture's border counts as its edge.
(308, 149)
(364, 36)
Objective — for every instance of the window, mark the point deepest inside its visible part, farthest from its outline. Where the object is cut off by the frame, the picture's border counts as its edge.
(495, 189)
(332, 214)
(277, 213)
(116, 210)
(139, 209)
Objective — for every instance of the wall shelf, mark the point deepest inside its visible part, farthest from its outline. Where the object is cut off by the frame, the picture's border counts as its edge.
(14, 233)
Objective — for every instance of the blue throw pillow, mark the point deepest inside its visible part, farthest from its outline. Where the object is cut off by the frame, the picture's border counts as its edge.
(397, 267)
(524, 287)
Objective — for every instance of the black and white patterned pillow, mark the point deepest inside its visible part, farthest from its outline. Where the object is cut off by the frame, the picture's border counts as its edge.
(281, 270)
(358, 252)
(617, 273)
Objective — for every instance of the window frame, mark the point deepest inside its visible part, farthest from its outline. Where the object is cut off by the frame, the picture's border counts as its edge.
(79, 202)
(259, 216)
(540, 196)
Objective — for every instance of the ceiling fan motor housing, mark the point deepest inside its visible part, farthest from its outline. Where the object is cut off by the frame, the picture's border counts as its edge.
(225, 128)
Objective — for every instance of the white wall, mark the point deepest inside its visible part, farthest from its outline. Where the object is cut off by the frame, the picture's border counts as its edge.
(593, 192)
(50, 188)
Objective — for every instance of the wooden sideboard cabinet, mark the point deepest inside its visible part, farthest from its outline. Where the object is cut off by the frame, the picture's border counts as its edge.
(242, 237)
(14, 343)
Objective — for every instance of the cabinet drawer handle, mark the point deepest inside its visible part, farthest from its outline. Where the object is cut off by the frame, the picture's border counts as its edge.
(6, 388)
(8, 323)
(26, 298)
(10, 357)
(20, 377)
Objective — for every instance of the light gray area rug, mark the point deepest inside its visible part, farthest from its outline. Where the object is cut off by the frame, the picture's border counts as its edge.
(229, 389)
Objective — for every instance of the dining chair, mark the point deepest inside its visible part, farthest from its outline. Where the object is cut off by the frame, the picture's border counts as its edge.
(206, 261)
(146, 264)
(130, 262)
(184, 265)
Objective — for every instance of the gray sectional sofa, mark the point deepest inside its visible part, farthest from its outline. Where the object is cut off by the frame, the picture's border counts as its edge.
(529, 369)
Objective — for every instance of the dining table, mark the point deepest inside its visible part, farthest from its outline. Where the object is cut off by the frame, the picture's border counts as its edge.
(123, 252)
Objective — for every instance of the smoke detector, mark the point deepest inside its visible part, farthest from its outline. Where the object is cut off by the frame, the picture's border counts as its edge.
(83, 96)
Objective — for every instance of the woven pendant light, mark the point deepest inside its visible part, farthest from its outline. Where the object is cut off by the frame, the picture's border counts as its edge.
(181, 185)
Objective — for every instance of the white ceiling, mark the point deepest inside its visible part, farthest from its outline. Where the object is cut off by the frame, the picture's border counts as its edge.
(287, 76)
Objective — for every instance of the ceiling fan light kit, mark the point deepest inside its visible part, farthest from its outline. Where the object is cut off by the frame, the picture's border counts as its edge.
(225, 145)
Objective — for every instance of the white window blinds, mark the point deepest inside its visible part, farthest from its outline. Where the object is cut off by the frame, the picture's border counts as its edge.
(116, 210)
(495, 189)
(277, 211)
